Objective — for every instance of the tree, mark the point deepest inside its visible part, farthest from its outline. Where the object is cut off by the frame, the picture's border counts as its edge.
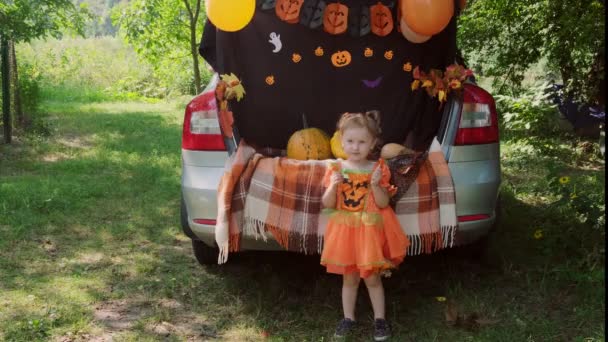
(505, 37)
(161, 28)
(24, 20)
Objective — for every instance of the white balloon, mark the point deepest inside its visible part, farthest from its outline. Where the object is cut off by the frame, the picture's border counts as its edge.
(410, 35)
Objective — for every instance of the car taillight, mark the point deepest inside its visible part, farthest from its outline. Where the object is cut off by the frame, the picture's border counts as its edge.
(478, 122)
(201, 130)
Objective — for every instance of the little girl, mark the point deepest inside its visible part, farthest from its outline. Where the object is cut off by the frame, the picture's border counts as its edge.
(363, 237)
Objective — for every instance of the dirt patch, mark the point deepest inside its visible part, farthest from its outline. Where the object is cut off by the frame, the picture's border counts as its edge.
(120, 314)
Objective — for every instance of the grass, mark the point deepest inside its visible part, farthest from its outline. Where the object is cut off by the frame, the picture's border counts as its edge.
(91, 248)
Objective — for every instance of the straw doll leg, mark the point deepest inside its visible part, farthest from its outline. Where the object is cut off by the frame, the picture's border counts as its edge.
(350, 285)
(376, 294)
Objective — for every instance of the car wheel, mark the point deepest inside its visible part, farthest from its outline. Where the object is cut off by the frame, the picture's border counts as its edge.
(204, 254)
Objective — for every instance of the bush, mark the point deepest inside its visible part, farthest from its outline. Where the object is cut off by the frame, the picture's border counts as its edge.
(530, 113)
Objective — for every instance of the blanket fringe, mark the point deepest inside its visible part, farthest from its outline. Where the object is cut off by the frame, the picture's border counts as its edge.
(255, 228)
(223, 254)
(280, 235)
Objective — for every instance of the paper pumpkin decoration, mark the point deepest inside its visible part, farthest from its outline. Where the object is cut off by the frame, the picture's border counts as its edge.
(288, 10)
(427, 17)
(389, 54)
(368, 52)
(358, 20)
(230, 15)
(311, 14)
(381, 19)
(335, 18)
(269, 80)
(319, 51)
(410, 35)
(296, 57)
(341, 59)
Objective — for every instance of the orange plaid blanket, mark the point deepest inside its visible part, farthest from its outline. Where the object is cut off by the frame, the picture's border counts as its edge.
(261, 194)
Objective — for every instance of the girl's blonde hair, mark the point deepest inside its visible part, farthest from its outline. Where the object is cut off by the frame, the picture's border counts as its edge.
(369, 120)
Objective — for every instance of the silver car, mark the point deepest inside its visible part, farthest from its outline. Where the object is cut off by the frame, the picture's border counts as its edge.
(468, 135)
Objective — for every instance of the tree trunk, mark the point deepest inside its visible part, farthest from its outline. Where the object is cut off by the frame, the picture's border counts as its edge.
(193, 15)
(20, 116)
(6, 92)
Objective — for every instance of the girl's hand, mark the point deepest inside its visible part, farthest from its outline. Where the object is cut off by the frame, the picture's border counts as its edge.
(336, 178)
(376, 176)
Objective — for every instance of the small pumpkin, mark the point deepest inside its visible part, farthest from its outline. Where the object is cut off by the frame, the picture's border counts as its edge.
(336, 146)
(335, 18)
(389, 54)
(309, 143)
(269, 80)
(319, 51)
(381, 19)
(341, 59)
(407, 67)
(296, 57)
(289, 10)
(392, 150)
(368, 52)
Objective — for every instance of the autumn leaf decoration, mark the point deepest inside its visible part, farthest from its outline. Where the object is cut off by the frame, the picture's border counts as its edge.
(228, 88)
(438, 83)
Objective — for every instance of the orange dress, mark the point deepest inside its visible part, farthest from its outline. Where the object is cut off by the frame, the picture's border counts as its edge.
(360, 237)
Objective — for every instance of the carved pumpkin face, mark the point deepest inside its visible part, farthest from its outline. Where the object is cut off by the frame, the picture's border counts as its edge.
(312, 13)
(296, 57)
(381, 19)
(289, 10)
(335, 18)
(353, 190)
(341, 59)
(269, 80)
(388, 54)
(368, 52)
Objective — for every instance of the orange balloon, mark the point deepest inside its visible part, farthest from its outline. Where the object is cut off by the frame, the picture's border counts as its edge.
(410, 35)
(427, 17)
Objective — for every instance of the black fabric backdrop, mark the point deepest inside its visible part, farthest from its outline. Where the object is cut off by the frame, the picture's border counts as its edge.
(269, 114)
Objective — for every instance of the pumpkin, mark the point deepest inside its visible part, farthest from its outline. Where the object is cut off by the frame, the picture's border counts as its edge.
(336, 146)
(309, 143)
(389, 54)
(392, 150)
(289, 10)
(381, 19)
(319, 51)
(368, 52)
(312, 13)
(296, 57)
(341, 59)
(335, 18)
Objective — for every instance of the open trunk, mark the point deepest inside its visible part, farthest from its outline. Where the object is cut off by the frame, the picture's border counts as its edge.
(321, 76)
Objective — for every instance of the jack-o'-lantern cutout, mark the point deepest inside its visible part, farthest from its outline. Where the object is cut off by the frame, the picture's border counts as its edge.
(341, 59)
(289, 10)
(296, 57)
(388, 54)
(407, 67)
(368, 52)
(269, 79)
(381, 19)
(354, 190)
(335, 18)
(311, 14)
(358, 20)
(319, 51)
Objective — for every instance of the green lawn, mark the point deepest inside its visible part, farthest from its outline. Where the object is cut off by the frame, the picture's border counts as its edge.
(91, 249)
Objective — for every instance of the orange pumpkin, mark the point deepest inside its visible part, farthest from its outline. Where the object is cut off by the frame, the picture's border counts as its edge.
(309, 143)
(381, 19)
(335, 18)
(341, 59)
(289, 10)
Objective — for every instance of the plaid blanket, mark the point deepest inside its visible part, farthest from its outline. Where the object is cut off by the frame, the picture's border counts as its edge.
(260, 194)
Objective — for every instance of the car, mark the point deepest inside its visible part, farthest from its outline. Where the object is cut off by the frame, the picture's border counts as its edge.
(466, 125)
(469, 139)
